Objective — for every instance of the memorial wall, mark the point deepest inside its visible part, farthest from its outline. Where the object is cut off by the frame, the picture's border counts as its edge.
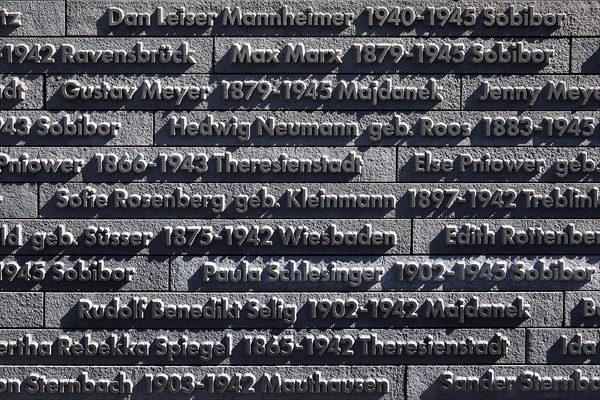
(299, 199)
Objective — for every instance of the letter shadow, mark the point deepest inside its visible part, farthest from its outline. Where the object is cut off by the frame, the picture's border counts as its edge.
(456, 210)
(549, 174)
(164, 138)
(478, 137)
(424, 29)
(56, 101)
(47, 283)
(222, 29)
(33, 139)
(90, 174)
(71, 319)
(554, 356)
(541, 102)
(406, 174)
(224, 64)
(103, 28)
(13, 105)
(7, 30)
(592, 64)
(195, 282)
(49, 209)
(271, 100)
(389, 282)
(438, 246)
(479, 29)
(418, 28)
(576, 317)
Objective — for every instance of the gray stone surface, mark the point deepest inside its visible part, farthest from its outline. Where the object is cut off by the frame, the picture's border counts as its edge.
(530, 92)
(585, 55)
(35, 19)
(433, 128)
(273, 92)
(109, 55)
(398, 55)
(563, 346)
(60, 128)
(21, 91)
(87, 273)
(90, 18)
(249, 347)
(580, 309)
(373, 382)
(350, 200)
(513, 236)
(197, 164)
(386, 273)
(21, 310)
(502, 382)
(196, 236)
(501, 164)
(222, 200)
(322, 200)
(304, 310)
(74, 92)
(18, 201)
